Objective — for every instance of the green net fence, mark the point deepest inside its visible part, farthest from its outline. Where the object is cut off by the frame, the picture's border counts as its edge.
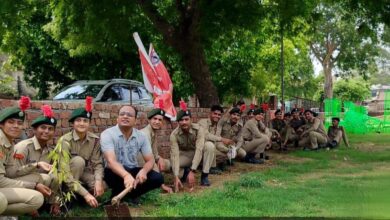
(386, 113)
(332, 109)
(355, 118)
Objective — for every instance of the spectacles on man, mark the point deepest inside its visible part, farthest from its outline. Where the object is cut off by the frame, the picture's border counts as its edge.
(128, 114)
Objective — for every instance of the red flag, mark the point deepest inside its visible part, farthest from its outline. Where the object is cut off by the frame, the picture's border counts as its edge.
(156, 78)
(163, 77)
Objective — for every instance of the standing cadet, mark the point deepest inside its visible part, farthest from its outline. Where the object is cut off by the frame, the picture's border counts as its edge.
(86, 163)
(230, 129)
(335, 133)
(254, 139)
(31, 156)
(188, 149)
(210, 128)
(314, 133)
(156, 119)
(19, 199)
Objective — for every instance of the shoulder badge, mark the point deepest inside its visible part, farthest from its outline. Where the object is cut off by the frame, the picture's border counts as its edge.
(18, 156)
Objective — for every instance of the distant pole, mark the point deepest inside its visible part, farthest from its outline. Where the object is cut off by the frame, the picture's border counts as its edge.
(282, 62)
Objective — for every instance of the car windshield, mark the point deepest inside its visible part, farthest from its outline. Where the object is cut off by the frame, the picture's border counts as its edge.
(79, 92)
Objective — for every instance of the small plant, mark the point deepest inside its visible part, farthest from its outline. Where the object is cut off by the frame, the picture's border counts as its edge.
(60, 169)
(251, 180)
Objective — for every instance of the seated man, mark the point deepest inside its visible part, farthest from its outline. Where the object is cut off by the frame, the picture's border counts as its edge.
(121, 145)
(230, 128)
(31, 157)
(254, 140)
(156, 120)
(20, 196)
(86, 162)
(294, 128)
(209, 125)
(188, 149)
(314, 132)
(335, 133)
(278, 128)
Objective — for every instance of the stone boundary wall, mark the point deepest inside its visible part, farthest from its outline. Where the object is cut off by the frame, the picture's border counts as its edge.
(103, 116)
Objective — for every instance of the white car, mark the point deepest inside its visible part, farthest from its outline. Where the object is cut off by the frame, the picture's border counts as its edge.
(112, 91)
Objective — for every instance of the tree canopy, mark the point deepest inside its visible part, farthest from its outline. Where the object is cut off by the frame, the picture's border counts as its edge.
(216, 49)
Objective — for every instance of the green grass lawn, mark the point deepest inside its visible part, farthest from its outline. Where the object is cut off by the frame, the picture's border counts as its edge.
(345, 182)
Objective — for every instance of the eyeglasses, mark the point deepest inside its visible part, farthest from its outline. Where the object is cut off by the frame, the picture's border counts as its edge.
(128, 114)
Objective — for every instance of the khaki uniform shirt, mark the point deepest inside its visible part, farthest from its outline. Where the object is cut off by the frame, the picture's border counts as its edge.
(6, 152)
(191, 141)
(150, 135)
(89, 150)
(29, 152)
(278, 125)
(225, 129)
(210, 130)
(332, 133)
(315, 125)
(251, 130)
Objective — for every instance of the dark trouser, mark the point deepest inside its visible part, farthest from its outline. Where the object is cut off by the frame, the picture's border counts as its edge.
(115, 182)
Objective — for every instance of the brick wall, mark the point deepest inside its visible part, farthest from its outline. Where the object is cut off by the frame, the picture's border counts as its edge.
(103, 116)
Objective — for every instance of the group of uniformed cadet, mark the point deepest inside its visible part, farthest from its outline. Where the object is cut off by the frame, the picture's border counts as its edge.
(125, 157)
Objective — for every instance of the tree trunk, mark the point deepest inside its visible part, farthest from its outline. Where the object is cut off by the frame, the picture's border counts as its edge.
(195, 62)
(328, 85)
(185, 39)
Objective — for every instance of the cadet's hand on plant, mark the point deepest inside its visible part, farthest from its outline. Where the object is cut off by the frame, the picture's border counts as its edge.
(166, 189)
(177, 183)
(91, 200)
(128, 181)
(99, 189)
(55, 209)
(227, 141)
(191, 180)
(46, 191)
(44, 166)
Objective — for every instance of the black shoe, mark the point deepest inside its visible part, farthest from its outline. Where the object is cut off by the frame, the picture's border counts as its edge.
(250, 158)
(222, 166)
(306, 149)
(230, 162)
(215, 171)
(333, 144)
(204, 180)
(264, 156)
(183, 179)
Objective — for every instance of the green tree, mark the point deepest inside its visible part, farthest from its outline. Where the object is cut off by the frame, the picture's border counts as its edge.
(355, 90)
(342, 40)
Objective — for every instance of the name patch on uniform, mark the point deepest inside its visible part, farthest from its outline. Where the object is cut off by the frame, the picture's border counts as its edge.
(18, 156)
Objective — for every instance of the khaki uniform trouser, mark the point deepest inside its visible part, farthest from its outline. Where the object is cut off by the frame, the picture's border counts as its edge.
(20, 201)
(338, 137)
(256, 145)
(219, 157)
(167, 163)
(83, 174)
(186, 157)
(241, 153)
(48, 180)
(3, 203)
(292, 136)
(313, 139)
